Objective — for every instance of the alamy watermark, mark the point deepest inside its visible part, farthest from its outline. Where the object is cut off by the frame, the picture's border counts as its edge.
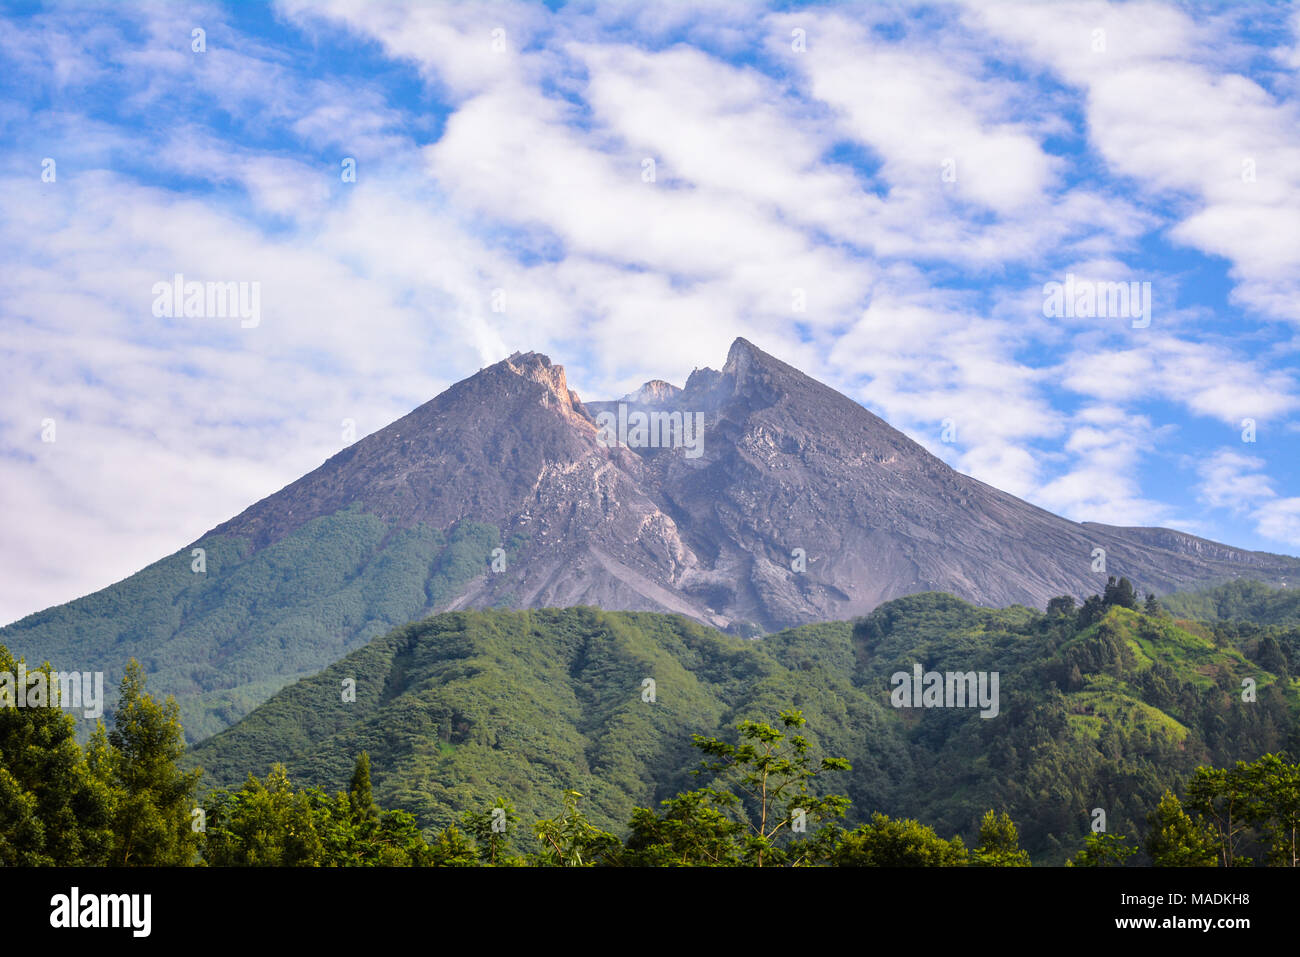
(208, 300)
(652, 430)
(57, 689)
(75, 909)
(1087, 299)
(953, 689)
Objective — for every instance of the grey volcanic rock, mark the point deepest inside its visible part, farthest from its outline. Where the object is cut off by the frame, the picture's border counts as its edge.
(787, 463)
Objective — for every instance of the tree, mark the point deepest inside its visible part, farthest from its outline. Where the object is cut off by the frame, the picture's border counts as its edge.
(1075, 679)
(399, 843)
(451, 848)
(346, 835)
(356, 833)
(1152, 606)
(999, 843)
(493, 830)
(774, 771)
(262, 824)
(268, 823)
(152, 816)
(1091, 611)
(1222, 799)
(359, 794)
(570, 840)
(22, 833)
(1274, 786)
(1120, 593)
(896, 843)
(54, 810)
(1270, 656)
(1060, 606)
(1103, 850)
(695, 830)
(1175, 840)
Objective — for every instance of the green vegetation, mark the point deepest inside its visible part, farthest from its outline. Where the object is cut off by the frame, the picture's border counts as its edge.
(470, 723)
(1102, 705)
(1103, 850)
(225, 639)
(268, 824)
(1238, 601)
(999, 843)
(123, 800)
(900, 843)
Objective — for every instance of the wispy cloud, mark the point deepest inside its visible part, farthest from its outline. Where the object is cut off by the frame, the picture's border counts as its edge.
(876, 194)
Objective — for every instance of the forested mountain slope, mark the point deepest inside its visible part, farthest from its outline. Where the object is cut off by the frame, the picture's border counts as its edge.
(1102, 706)
(791, 504)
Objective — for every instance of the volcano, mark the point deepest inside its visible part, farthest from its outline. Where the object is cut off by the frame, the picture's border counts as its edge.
(787, 474)
(751, 499)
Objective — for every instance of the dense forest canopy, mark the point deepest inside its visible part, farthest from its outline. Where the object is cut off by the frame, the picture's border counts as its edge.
(123, 801)
(1109, 712)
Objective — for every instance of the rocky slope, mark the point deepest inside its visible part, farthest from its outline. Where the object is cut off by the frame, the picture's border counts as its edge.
(791, 504)
(785, 464)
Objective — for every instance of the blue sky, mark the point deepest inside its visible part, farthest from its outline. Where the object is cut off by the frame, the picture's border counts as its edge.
(877, 193)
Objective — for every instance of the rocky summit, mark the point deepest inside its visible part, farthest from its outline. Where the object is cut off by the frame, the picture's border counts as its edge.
(793, 504)
(750, 499)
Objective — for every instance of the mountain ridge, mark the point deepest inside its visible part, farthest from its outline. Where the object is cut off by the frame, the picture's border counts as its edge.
(506, 490)
(767, 419)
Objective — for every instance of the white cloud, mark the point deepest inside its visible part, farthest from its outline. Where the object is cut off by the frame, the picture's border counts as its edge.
(918, 109)
(1207, 378)
(1106, 445)
(1236, 481)
(1165, 111)
(922, 298)
(453, 43)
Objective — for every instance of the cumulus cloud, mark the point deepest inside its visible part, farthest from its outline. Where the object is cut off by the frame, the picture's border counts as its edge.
(1106, 446)
(1205, 377)
(1169, 109)
(1236, 481)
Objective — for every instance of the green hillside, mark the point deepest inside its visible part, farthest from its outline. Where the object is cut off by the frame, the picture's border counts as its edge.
(1100, 707)
(225, 639)
(1238, 601)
